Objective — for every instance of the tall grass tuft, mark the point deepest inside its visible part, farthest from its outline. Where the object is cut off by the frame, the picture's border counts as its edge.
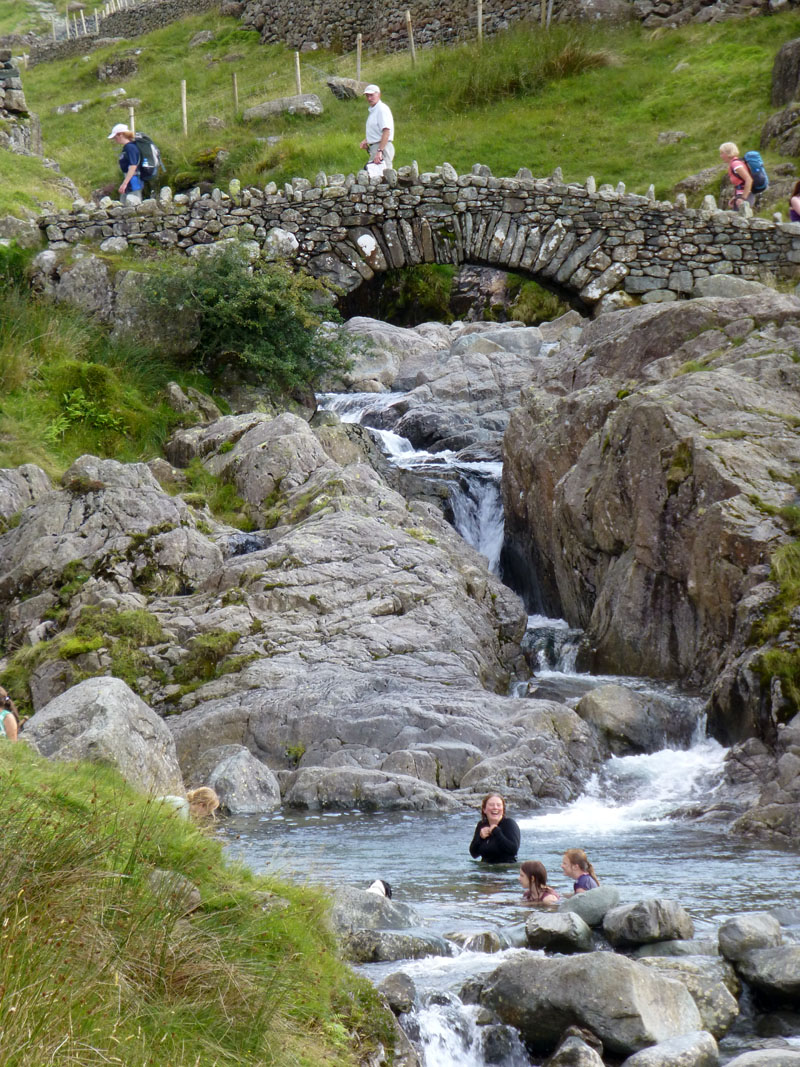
(106, 957)
(519, 64)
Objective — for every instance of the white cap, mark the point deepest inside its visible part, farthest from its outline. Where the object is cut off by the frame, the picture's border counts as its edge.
(371, 89)
(119, 128)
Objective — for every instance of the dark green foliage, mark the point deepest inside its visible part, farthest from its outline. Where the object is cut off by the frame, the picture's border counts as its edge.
(205, 655)
(259, 320)
(417, 294)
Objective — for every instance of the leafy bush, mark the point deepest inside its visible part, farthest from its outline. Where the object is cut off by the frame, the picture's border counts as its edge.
(260, 320)
(417, 294)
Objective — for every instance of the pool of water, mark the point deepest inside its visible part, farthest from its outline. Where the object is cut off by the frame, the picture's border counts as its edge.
(622, 821)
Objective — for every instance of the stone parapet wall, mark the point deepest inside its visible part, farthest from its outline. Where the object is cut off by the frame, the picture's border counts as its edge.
(131, 22)
(584, 241)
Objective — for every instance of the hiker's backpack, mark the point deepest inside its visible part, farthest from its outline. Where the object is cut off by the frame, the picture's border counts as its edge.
(755, 164)
(150, 165)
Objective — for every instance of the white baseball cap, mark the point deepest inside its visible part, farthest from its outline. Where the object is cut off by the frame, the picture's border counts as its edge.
(119, 128)
(371, 89)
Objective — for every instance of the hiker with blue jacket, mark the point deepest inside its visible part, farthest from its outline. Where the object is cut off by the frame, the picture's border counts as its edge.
(130, 192)
(738, 175)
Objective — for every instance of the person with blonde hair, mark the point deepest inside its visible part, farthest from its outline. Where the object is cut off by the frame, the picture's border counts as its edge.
(203, 802)
(738, 175)
(130, 192)
(575, 864)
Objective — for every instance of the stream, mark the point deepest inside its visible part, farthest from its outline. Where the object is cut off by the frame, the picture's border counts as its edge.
(631, 819)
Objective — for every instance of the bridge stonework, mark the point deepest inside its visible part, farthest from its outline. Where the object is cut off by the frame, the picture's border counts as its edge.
(583, 241)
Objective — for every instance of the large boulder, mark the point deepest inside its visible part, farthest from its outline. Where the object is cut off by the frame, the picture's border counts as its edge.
(356, 909)
(742, 933)
(103, 721)
(244, 785)
(767, 1057)
(381, 946)
(558, 932)
(647, 920)
(624, 1003)
(774, 973)
(592, 905)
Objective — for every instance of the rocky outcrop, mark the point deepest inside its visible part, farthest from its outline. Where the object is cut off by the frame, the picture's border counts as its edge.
(786, 74)
(643, 477)
(400, 710)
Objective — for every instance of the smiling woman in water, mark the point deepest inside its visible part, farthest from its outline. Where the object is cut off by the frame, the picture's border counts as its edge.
(496, 837)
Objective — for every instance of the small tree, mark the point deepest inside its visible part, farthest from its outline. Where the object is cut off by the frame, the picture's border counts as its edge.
(260, 319)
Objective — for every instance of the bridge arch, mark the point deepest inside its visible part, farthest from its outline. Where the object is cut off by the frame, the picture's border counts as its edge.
(585, 241)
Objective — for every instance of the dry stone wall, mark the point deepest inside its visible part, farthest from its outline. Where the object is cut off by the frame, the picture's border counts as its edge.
(584, 241)
(335, 23)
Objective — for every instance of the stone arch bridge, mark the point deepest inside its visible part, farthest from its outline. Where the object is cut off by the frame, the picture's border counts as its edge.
(583, 241)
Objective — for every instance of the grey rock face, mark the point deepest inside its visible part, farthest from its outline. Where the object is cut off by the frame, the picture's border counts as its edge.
(625, 1004)
(647, 920)
(697, 1049)
(20, 487)
(244, 785)
(592, 905)
(633, 722)
(399, 991)
(102, 720)
(605, 459)
(786, 74)
(559, 932)
(752, 930)
(774, 973)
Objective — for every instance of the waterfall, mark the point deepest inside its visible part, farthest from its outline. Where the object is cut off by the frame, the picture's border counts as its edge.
(474, 485)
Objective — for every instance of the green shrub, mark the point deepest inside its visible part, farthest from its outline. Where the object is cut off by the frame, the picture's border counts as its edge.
(260, 320)
(417, 294)
(533, 303)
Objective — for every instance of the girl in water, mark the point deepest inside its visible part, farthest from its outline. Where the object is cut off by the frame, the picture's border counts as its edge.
(575, 864)
(533, 879)
(496, 837)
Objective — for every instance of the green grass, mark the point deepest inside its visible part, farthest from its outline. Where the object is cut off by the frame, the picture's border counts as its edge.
(98, 967)
(27, 185)
(68, 389)
(18, 16)
(508, 106)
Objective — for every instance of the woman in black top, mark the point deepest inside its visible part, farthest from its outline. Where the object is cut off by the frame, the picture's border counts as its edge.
(496, 837)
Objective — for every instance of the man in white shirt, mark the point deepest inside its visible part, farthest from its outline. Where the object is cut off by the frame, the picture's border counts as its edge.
(380, 128)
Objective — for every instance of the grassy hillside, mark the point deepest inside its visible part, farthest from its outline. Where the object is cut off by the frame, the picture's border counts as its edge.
(100, 966)
(590, 100)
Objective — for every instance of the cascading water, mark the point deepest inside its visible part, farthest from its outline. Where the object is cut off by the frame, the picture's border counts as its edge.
(474, 485)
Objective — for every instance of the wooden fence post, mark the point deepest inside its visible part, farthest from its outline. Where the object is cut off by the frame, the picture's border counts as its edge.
(53, 24)
(297, 72)
(131, 120)
(83, 23)
(183, 110)
(480, 23)
(235, 85)
(358, 57)
(410, 29)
